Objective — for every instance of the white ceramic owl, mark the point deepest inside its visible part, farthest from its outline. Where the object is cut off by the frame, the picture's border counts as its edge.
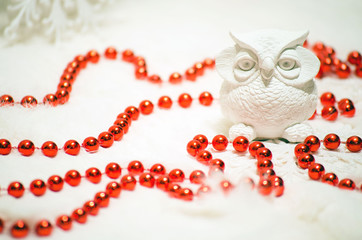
(269, 88)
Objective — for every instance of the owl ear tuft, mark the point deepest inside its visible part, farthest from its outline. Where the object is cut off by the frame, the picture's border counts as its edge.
(239, 43)
(299, 39)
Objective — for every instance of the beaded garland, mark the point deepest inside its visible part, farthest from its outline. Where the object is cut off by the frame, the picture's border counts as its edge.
(268, 180)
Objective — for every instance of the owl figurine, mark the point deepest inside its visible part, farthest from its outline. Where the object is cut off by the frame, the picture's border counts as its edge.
(269, 89)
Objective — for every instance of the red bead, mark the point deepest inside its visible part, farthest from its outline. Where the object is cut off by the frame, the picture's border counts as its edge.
(146, 107)
(126, 117)
(301, 149)
(305, 160)
(74, 65)
(343, 70)
(117, 132)
(336, 62)
(55, 183)
(20, 229)
(264, 165)
(202, 190)
(71, 147)
(73, 178)
(64, 222)
(354, 144)
(209, 63)
(253, 147)
(113, 170)
(354, 58)
(319, 74)
(162, 182)
(346, 107)
(6, 100)
(93, 56)
(113, 189)
(330, 178)
(79, 215)
(81, 60)
(93, 175)
(38, 187)
(16, 189)
(267, 174)
(5, 147)
(43, 228)
(26, 147)
(328, 99)
(203, 140)
(68, 77)
(174, 190)
(141, 72)
(265, 187)
(199, 67)
(176, 175)
(277, 185)
(62, 96)
(206, 99)
(220, 142)
(241, 144)
(128, 182)
(331, 141)
(175, 78)
(65, 85)
(263, 153)
(329, 113)
(312, 142)
(185, 100)
(91, 207)
(139, 62)
(343, 102)
(193, 147)
(329, 52)
(28, 101)
(358, 72)
(190, 74)
(316, 171)
(318, 47)
(164, 102)
(147, 180)
(313, 116)
(217, 163)
(128, 55)
(250, 182)
(110, 53)
(197, 177)
(135, 167)
(347, 184)
(204, 157)
(1, 225)
(326, 65)
(186, 194)
(49, 149)
(51, 100)
(122, 123)
(158, 169)
(105, 139)
(226, 186)
(155, 79)
(91, 144)
(133, 112)
(102, 199)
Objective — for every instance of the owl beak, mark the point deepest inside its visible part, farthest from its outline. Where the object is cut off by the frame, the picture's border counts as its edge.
(267, 69)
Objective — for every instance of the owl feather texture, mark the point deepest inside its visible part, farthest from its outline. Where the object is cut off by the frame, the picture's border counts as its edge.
(269, 89)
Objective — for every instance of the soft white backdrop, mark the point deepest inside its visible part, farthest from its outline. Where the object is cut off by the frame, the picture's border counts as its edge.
(172, 35)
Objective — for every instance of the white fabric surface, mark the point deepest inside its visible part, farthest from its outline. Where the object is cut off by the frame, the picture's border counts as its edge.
(172, 35)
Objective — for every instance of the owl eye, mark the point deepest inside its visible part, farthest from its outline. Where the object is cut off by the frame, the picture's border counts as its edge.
(287, 64)
(246, 64)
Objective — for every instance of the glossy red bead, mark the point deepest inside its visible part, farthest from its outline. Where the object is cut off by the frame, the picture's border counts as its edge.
(175, 78)
(185, 100)
(277, 185)
(71, 147)
(202, 190)
(226, 186)
(343, 102)
(93, 175)
(105, 139)
(301, 149)
(354, 144)
(81, 60)
(5, 147)
(74, 65)
(128, 55)
(64, 222)
(16, 189)
(197, 177)
(162, 182)
(241, 144)
(330, 178)
(358, 71)
(346, 107)
(164, 102)
(328, 99)
(113, 170)
(263, 153)
(318, 47)
(199, 68)
(220, 142)
(203, 140)
(331, 141)
(135, 167)
(253, 147)
(265, 187)
(49, 149)
(102, 199)
(93, 56)
(65, 85)
(155, 79)
(347, 184)
(204, 156)
(73, 178)
(68, 77)
(128, 182)
(174, 190)
(209, 63)
(316, 171)
(26, 147)
(79, 215)
(19, 230)
(327, 64)
(113, 189)
(146, 107)
(206, 98)
(267, 174)
(147, 180)
(190, 74)
(6, 100)
(158, 169)
(305, 160)
(110, 53)
(217, 163)
(91, 144)
(141, 72)
(354, 58)
(133, 112)
(51, 100)
(122, 123)
(43, 228)
(38, 187)
(62, 96)
(186, 194)
(55, 183)
(313, 115)
(117, 132)
(126, 117)
(329, 113)
(312, 142)
(91, 207)
(264, 165)
(28, 101)
(343, 71)
(176, 175)
(193, 147)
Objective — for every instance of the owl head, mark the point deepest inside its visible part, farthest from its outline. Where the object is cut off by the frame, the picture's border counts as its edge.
(268, 54)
